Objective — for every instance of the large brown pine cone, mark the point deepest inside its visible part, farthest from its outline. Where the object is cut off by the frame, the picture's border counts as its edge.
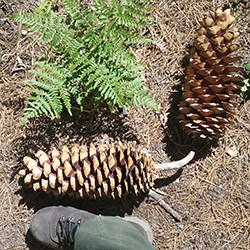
(209, 97)
(90, 171)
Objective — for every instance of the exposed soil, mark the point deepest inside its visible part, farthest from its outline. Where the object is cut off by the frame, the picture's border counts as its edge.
(212, 193)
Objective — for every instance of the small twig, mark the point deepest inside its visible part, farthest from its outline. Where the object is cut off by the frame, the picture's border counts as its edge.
(19, 65)
(159, 200)
(158, 191)
(7, 56)
(175, 164)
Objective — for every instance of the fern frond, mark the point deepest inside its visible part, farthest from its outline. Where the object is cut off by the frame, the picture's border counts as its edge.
(92, 58)
(145, 99)
(47, 5)
(41, 104)
(53, 31)
(72, 8)
(50, 95)
(41, 100)
(65, 97)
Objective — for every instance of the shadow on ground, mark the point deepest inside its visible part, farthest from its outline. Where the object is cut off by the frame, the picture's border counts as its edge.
(178, 142)
(39, 199)
(83, 127)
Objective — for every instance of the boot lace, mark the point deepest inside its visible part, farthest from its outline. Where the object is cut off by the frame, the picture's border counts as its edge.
(65, 230)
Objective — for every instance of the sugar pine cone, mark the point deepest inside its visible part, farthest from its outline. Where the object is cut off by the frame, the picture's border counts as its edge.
(209, 97)
(90, 171)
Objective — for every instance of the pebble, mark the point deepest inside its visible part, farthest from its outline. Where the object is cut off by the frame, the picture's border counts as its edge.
(24, 32)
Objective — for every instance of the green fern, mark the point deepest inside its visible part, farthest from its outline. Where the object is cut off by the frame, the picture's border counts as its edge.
(92, 59)
(245, 89)
(50, 95)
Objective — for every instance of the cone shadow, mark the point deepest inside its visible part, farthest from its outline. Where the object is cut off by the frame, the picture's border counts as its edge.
(118, 207)
(178, 142)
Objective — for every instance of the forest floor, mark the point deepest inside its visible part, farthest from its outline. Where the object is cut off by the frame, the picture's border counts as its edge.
(212, 193)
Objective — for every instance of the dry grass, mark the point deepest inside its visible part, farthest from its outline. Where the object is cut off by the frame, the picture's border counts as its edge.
(212, 193)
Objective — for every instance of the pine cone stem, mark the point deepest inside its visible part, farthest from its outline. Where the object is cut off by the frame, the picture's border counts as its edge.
(175, 164)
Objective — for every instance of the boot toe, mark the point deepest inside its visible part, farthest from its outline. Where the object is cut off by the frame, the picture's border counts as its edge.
(44, 223)
(40, 228)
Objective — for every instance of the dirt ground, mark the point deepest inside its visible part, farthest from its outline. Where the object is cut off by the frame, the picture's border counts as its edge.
(212, 193)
